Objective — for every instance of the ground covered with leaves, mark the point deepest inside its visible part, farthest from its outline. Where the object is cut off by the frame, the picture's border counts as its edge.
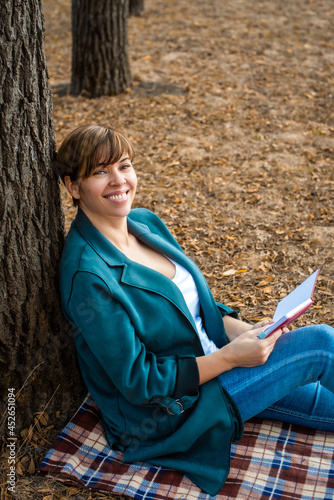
(231, 114)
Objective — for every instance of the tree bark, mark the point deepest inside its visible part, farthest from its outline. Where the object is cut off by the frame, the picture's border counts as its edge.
(37, 357)
(100, 63)
(136, 7)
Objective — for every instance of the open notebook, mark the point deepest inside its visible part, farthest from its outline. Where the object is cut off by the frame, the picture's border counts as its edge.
(292, 306)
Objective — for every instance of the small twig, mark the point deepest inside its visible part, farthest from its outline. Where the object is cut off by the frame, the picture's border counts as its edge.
(45, 407)
(5, 415)
(28, 377)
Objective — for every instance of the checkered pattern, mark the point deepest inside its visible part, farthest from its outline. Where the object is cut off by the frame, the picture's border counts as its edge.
(272, 460)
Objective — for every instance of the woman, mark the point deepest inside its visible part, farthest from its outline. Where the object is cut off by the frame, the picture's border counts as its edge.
(174, 374)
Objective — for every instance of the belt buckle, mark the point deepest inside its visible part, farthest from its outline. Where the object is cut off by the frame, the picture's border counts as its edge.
(180, 404)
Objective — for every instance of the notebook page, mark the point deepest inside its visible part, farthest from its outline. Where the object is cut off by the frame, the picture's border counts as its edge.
(297, 297)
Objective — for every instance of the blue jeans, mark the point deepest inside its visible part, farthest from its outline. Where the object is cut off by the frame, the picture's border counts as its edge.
(295, 385)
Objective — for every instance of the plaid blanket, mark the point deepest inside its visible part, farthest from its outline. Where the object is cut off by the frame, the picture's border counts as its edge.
(272, 460)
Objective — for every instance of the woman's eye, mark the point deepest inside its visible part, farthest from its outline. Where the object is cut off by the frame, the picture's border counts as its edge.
(99, 172)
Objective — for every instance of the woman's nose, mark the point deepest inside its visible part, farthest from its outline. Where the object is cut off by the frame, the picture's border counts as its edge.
(117, 179)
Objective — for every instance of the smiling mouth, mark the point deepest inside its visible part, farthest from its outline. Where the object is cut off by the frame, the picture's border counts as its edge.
(121, 196)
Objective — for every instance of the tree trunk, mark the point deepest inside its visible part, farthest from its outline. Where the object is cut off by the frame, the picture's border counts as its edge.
(37, 357)
(100, 64)
(136, 7)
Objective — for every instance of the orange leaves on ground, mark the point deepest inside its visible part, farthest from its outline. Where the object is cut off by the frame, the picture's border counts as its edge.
(231, 272)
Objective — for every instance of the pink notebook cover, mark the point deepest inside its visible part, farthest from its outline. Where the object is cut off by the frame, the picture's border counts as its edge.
(292, 306)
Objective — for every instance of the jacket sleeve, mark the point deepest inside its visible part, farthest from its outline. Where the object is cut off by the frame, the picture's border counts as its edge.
(108, 339)
(226, 311)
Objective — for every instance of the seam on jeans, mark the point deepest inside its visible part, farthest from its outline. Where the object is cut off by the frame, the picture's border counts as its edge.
(299, 415)
(259, 376)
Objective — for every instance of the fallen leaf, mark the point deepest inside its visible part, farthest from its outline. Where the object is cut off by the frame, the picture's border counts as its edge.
(230, 272)
(265, 281)
(268, 289)
(31, 469)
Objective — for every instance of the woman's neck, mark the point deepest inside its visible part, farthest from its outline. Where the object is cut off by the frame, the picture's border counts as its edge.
(115, 229)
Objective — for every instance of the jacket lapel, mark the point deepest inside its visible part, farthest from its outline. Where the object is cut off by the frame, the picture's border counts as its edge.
(135, 274)
(213, 318)
(145, 278)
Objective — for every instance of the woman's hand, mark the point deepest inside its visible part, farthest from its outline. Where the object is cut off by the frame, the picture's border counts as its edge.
(234, 327)
(261, 324)
(264, 324)
(247, 350)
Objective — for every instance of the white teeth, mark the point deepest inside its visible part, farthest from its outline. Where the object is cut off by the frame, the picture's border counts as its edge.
(117, 197)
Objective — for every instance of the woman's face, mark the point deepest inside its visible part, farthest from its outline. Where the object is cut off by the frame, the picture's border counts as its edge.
(109, 190)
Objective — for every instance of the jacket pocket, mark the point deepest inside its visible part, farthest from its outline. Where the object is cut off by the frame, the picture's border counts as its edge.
(144, 423)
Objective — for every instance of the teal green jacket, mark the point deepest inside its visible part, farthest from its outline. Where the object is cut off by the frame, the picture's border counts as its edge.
(137, 345)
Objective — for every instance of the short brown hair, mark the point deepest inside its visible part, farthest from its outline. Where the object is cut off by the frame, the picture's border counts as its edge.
(80, 152)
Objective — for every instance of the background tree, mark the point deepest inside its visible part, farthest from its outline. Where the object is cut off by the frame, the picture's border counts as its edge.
(100, 63)
(36, 349)
(136, 7)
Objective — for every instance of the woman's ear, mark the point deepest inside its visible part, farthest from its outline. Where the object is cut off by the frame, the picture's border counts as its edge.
(72, 187)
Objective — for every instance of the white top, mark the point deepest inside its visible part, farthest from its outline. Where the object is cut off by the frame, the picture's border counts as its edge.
(186, 284)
